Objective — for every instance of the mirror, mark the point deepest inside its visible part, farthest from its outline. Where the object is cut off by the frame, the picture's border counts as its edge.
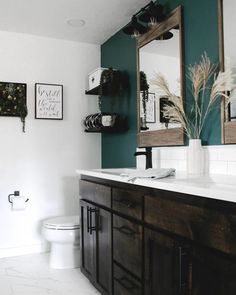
(227, 22)
(159, 51)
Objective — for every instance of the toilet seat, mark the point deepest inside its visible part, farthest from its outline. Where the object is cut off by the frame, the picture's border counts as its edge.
(62, 223)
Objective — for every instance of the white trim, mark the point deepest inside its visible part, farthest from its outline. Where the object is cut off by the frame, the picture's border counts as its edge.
(24, 250)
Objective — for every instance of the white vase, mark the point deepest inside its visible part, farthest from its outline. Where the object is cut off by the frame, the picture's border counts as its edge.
(195, 157)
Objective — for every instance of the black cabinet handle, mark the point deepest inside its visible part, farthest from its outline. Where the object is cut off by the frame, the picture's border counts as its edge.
(183, 270)
(125, 203)
(126, 230)
(126, 283)
(91, 227)
(88, 219)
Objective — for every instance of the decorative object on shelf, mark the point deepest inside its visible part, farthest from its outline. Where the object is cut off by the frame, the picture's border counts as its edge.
(105, 122)
(13, 100)
(48, 101)
(100, 120)
(151, 14)
(208, 88)
(94, 78)
(108, 120)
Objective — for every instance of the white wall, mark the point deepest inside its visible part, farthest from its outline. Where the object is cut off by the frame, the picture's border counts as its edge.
(41, 163)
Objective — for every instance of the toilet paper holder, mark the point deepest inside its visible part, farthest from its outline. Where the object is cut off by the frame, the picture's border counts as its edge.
(16, 194)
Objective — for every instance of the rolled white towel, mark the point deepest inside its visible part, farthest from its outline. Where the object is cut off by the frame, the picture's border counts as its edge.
(149, 173)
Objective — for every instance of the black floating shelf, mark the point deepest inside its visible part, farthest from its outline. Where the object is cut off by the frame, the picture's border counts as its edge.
(106, 130)
(95, 91)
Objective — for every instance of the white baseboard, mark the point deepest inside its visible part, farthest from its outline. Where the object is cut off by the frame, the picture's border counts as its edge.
(24, 250)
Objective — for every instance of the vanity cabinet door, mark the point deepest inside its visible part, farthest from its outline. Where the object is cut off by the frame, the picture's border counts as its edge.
(166, 265)
(96, 246)
(87, 261)
(213, 272)
(103, 251)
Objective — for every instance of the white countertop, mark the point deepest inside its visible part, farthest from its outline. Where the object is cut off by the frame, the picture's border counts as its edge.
(214, 186)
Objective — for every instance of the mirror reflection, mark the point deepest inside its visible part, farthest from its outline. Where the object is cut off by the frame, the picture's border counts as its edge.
(161, 55)
(229, 8)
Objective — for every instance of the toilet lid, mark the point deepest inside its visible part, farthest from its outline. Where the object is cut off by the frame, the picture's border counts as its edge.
(63, 222)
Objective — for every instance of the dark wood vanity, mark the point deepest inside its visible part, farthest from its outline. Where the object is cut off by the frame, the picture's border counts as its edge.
(139, 240)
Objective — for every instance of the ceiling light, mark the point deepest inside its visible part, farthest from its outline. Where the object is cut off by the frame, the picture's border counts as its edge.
(134, 28)
(76, 23)
(152, 14)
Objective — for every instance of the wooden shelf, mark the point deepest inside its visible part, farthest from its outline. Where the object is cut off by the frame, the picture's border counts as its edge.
(106, 130)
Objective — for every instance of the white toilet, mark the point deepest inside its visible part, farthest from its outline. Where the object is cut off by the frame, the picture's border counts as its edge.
(63, 233)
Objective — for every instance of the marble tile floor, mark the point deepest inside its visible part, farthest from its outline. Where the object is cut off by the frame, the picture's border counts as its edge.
(30, 275)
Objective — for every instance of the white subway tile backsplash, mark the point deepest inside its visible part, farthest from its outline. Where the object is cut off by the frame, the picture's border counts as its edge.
(218, 159)
(227, 154)
(211, 155)
(232, 168)
(218, 167)
(164, 153)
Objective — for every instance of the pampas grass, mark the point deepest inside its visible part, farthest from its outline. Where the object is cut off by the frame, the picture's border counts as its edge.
(208, 86)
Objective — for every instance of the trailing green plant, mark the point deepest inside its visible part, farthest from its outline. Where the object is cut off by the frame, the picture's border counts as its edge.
(111, 84)
(13, 100)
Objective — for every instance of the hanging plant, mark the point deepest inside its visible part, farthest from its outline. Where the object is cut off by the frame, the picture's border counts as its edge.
(111, 84)
(13, 100)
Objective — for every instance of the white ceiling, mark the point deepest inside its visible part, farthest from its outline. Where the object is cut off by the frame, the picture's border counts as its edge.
(48, 17)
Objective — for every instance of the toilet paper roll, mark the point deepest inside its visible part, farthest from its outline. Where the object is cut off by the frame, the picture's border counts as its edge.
(18, 203)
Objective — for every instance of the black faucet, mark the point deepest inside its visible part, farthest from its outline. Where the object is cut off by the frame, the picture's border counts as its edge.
(148, 154)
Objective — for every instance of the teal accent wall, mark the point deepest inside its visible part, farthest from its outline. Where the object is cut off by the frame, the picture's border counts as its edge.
(200, 35)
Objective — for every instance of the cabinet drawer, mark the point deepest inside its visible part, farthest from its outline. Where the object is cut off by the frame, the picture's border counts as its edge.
(124, 283)
(95, 192)
(127, 202)
(127, 244)
(207, 226)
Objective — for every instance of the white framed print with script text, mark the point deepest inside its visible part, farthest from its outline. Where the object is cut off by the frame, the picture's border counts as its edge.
(48, 101)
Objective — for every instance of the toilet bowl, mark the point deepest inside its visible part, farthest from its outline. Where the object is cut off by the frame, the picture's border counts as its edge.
(63, 234)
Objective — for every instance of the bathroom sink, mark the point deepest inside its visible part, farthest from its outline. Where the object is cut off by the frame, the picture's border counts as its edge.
(117, 171)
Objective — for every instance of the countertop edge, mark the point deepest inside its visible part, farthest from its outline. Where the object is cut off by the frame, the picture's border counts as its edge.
(212, 191)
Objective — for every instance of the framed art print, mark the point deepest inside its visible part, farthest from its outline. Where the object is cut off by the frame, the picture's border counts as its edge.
(151, 108)
(48, 101)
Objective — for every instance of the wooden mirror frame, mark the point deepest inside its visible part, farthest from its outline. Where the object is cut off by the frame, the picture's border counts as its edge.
(172, 136)
(228, 128)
